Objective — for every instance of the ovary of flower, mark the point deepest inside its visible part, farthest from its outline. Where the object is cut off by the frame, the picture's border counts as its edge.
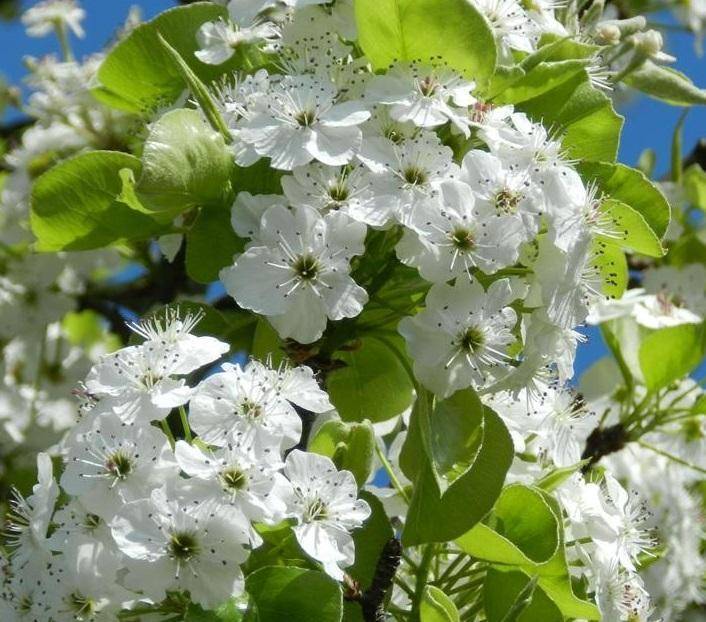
(297, 271)
(110, 463)
(462, 337)
(176, 542)
(255, 403)
(325, 505)
(448, 237)
(300, 121)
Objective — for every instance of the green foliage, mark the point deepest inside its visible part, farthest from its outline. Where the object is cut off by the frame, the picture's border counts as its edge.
(666, 84)
(429, 31)
(227, 612)
(351, 446)
(631, 187)
(185, 164)
(525, 533)
(612, 267)
(510, 596)
(199, 91)
(293, 594)
(437, 516)
(79, 204)
(437, 606)
(635, 234)
(211, 244)
(520, 85)
(369, 541)
(582, 115)
(139, 75)
(670, 353)
(373, 384)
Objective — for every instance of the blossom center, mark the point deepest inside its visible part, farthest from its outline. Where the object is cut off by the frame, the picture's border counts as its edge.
(428, 86)
(463, 239)
(415, 176)
(233, 479)
(119, 465)
(471, 340)
(249, 409)
(507, 201)
(338, 192)
(91, 521)
(305, 118)
(306, 267)
(183, 546)
(83, 608)
(316, 510)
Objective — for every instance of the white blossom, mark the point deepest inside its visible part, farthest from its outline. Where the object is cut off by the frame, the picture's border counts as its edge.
(325, 505)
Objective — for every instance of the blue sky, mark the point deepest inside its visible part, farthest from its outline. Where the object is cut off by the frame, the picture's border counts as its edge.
(649, 123)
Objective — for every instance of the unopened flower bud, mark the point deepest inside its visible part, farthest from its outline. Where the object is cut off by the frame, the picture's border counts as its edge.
(608, 34)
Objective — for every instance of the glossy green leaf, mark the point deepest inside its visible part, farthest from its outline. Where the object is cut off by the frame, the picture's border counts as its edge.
(294, 594)
(668, 354)
(612, 266)
(76, 204)
(351, 446)
(434, 517)
(437, 606)
(630, 186)
(538, 80)
(630, 230)
(373, 385)
(695, 186)
(138, 74)
(211, 244)
(199, 91)
(455, 431)
(227, 612)
(666, 84)
(185, 164)
(506, 594)
(427, 30)
(370, 539)
(525, 532)
(582, 115)
(267, 344)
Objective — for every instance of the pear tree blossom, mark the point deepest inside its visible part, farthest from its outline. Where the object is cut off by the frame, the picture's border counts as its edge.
(295, 302)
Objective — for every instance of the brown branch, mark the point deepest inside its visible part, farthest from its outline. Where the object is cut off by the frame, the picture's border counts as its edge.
(372, 600)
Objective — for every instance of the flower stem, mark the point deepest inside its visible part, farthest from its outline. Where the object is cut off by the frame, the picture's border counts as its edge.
(185, 424)
(168, 432)
(672, 457)
(391, 473)
(422, 577)
(63, 36)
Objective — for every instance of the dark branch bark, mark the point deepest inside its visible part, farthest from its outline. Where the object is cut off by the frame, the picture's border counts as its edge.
(372, 600)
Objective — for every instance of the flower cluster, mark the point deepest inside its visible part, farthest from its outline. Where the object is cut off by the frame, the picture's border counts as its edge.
(421, 246)
(146, 515)
(508, 221)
